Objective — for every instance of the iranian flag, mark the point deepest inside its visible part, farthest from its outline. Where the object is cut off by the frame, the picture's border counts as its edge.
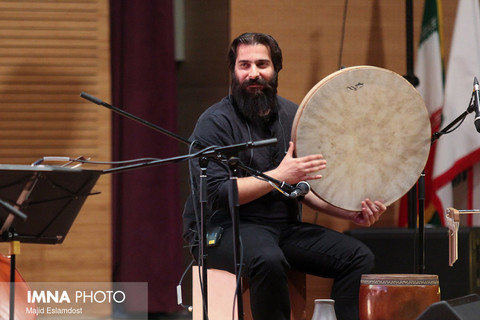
(459, 151)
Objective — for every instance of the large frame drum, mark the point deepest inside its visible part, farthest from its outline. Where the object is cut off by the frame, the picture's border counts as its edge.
(372, 127)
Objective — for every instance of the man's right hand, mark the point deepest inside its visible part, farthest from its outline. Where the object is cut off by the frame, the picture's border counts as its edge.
(293, 170)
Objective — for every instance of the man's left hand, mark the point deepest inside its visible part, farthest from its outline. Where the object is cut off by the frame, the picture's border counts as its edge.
(371, 212)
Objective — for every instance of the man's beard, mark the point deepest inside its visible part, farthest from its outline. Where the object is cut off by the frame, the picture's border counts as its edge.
(258, 103)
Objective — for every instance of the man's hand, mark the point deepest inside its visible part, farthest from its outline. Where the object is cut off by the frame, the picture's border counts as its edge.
(293, 170)
(371, 212)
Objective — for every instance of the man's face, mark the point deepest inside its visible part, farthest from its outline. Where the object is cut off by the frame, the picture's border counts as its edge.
(253, 62)
(254, 83)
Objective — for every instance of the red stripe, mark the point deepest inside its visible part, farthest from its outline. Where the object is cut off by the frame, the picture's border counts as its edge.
(459, 166)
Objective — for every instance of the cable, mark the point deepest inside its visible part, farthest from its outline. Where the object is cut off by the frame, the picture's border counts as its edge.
(68, 159)
(87, 161)
(276, 187)
(457, 126)
(342, 36)
(179, 289)
(196, 239)
(239, 277)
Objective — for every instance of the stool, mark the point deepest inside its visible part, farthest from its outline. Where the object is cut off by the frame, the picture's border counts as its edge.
(221, 290)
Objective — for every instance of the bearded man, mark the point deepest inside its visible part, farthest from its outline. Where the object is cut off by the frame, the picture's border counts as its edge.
(273, 239)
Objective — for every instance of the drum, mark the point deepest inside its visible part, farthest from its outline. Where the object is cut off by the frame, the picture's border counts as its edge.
(372, 127)
(396, 296)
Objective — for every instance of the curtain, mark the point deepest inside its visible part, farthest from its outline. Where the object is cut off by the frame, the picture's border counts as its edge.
(146, 233)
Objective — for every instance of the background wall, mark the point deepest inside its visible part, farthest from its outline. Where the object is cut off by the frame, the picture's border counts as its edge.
(51, 51)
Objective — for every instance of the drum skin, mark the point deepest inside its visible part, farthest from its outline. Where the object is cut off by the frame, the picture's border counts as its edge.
(372, 127)
(396, 296)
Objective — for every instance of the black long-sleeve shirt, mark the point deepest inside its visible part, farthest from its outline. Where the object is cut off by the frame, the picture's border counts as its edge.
(222, 125)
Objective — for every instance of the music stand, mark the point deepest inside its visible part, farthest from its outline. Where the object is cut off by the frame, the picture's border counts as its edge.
(49, 196)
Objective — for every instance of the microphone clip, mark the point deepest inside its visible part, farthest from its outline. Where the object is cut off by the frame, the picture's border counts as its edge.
(294, 192)
(300, 190)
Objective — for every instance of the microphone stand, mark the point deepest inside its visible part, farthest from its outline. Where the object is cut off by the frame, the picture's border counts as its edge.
(202, 259)
(421, 184)
(450, 127)
(95, 100)
(234, 213)
(438, 134)
(10, 236)
(217, 154)
(413, 195)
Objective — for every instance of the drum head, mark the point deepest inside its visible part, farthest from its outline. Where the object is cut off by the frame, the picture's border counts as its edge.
(372, 127)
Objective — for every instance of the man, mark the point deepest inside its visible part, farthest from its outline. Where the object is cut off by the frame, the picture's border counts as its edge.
(273, 240)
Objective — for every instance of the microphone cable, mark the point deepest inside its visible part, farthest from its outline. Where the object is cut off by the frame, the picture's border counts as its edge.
(179, 289)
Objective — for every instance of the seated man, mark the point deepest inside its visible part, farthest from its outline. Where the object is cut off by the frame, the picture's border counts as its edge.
(273, 239)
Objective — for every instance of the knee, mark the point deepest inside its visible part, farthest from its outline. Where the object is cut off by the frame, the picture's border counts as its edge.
(365, 258)
(270, 262)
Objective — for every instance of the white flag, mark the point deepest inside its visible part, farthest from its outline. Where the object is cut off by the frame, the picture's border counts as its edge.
(429, 69)
(459, 150)
(429, 64)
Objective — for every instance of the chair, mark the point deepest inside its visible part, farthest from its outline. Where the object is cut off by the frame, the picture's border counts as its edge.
(221, 289)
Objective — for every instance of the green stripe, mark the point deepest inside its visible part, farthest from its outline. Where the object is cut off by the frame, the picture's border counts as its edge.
(430, 19)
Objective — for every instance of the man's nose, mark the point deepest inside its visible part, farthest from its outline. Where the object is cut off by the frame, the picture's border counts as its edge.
(254, 73)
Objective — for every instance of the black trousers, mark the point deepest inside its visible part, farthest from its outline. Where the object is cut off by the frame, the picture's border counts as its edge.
(269, 251)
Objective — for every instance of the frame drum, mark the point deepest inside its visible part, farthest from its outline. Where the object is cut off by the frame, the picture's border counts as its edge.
(372, 127)
(397, 296)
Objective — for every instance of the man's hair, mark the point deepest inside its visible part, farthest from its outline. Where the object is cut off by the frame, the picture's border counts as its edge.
(252, 38)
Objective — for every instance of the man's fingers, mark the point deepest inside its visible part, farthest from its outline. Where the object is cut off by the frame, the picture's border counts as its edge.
(291, 147)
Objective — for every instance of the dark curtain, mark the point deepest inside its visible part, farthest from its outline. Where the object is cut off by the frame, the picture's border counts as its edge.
(147, 243)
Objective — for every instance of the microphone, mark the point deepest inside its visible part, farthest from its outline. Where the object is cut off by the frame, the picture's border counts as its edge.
(91, 98)
(476, 98)
(301, 189)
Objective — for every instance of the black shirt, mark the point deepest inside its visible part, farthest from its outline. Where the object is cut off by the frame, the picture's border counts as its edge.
(222, 125)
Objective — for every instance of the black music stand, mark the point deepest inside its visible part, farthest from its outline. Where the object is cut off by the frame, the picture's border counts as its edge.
(49, 196)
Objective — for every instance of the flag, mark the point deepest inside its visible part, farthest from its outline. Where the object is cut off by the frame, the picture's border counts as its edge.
(429, 69)
(459, 151)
